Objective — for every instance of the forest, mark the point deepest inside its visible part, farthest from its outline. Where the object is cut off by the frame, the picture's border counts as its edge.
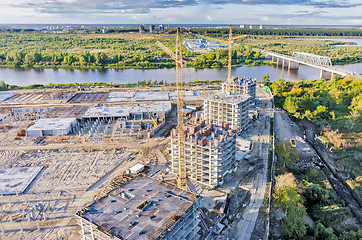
(278, 32)
(335, 107)
(119, 49)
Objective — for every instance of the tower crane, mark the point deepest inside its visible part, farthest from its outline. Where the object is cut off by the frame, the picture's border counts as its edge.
(229, 79)
(180, 63)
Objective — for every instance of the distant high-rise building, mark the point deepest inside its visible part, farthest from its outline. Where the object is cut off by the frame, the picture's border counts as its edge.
(242, 26)
(261, 27)
(162, 29)
(251, 26)
(152, 28)
(141, 28)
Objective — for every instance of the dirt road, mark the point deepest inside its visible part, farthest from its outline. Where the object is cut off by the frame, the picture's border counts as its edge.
(247, 223)
(313, 153)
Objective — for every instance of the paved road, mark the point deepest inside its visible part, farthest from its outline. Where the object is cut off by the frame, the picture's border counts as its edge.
(246, 225)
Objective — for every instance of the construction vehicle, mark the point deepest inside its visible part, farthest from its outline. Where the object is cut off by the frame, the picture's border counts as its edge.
(154, 121)
(180, 63)
(293, 143)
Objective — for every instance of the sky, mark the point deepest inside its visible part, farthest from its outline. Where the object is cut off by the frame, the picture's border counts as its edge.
(266, 12)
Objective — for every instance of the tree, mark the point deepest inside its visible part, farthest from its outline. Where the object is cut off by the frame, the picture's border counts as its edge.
(291, 105)
(266, 80)
(314, 193)
(293, 225)
(3, 85)
(321, 112)
(29, 58)
(279, 86)
(286, 154)
(323, 233)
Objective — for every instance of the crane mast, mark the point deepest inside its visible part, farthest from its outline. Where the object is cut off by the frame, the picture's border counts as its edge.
(180, 63)
(229, 79)
(180, 119)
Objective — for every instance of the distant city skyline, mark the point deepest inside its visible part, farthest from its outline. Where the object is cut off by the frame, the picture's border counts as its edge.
(268, 12)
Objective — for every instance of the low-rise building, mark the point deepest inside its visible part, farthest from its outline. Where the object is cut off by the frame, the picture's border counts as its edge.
(51, 127)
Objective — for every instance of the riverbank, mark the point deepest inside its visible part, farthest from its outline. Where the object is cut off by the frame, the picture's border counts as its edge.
(81, 86)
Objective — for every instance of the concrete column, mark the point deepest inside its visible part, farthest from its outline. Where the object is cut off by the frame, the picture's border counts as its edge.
(326, 75)
(285, 63)
(279, 62)
(293, 65)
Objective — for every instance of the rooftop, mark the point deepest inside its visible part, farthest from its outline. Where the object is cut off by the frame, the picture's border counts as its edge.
(223, 97)
(126, 110)
(140, 209)
(152, 96)
(16, 180)
(52, 123)
(244, 81)
(6, 96)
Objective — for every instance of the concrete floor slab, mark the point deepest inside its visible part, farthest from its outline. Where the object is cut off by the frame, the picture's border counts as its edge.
(16, 180)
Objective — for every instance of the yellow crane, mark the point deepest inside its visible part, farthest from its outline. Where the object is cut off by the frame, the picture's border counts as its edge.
(180, 63)
(154, 121)
(229, 79)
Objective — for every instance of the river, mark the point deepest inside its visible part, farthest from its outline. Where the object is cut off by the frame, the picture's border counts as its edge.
(25, 77)
(358, 41)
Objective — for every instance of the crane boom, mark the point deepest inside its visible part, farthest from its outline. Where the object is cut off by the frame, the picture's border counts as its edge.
(154, 121)
(170, 53)
(180, 63)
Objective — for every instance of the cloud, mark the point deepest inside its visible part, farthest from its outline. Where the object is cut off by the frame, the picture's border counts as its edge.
(102, 6)
(79, 7)
(314, 3)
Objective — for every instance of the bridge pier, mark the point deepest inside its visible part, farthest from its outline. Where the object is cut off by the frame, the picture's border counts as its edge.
(290, 65)
(326, 75)
(279, 62)
(285, 63)
(293, 65)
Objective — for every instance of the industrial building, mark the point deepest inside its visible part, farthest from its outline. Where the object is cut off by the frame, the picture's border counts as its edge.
(51, 127)
(161, 29)
(209, 152)
(141, 28)
(140, 111)
(142, 208)
(202, 46)
(232, 109)
(242, 86)
(152, 28)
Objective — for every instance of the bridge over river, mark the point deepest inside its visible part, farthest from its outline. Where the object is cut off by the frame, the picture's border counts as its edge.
(321, 62)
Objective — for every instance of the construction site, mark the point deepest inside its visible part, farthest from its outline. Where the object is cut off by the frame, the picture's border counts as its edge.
(130, 163)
